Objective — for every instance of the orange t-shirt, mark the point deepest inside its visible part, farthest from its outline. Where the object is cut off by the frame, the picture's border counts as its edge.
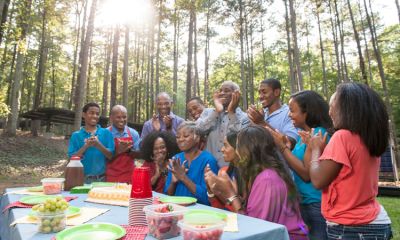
(350, 199)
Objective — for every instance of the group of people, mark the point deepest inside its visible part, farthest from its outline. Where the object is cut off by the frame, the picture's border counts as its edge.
(308, 165)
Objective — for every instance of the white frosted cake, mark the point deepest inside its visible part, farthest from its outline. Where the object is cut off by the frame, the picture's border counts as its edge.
(116, 195)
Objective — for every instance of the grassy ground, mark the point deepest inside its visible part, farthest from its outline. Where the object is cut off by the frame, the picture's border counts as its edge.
(392, 206)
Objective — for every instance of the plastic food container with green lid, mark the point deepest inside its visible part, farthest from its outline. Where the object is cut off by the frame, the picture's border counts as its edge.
(162, 219)
(201, 225)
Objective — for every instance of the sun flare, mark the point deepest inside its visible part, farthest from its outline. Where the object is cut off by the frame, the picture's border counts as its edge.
(133, 12)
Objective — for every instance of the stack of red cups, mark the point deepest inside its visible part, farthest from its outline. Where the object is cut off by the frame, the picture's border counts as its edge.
(141, 196)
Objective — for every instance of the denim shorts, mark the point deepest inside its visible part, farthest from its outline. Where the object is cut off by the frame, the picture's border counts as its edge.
(362, 232)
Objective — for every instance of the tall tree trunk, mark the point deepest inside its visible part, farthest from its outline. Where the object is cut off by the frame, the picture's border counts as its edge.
(148, 69)
(336, 44)
(263, 48)
(242, 73)
(125, 70)
(309, 57)
(398, 9)
(74, 63)
(106, 79)
(196, 87)
(81, 83)
(365, 43)
(4, 12)
(160, 18)
(43, 52)
(321, 43)
(11, 128)
(375, 45)
(5, 51)
(357, 38)
(190, 54)
(247, 54)
(10, 75)
(292, 77)
(89, 76)
(339, 23)
(53, 82)
(251, 65)
(296, 52)
(207, 51)
(114, 67)
(175, 54)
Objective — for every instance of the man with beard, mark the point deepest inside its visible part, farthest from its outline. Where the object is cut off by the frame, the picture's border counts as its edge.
(165, 119)
(126, 141)
(274, 115)
(93, 144)
(225, 117)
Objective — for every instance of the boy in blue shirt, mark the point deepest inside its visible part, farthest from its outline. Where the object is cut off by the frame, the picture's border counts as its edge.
(95, 145)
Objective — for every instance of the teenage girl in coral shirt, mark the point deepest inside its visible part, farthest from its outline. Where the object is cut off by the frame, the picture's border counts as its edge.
(347, 171)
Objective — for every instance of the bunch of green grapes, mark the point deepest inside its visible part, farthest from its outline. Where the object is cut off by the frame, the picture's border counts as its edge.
(51, 215)
(52, 205)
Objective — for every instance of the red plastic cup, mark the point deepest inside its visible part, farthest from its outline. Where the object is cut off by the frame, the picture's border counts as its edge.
(141, 183)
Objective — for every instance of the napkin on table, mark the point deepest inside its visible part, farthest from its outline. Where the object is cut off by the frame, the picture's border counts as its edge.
(85, 215)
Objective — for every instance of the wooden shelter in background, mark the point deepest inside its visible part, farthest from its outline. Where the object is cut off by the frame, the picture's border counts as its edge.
(65, 116)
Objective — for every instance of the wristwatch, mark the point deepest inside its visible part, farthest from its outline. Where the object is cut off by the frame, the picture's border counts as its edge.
(230, 200)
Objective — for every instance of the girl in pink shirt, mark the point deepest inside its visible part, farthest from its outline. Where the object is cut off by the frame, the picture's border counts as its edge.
(347, 171)
(267, 187)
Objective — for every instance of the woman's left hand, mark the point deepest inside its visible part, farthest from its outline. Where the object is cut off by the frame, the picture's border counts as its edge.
(282, 141)
(318, 142)
(177, 169)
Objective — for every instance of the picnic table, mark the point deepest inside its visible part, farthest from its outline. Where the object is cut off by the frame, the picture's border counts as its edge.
(249, 228)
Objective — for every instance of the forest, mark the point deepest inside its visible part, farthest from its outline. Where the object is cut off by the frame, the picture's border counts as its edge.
(64, 53)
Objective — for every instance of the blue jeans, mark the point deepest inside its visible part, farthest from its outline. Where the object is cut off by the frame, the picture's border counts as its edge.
(362, 232)
(313, 218)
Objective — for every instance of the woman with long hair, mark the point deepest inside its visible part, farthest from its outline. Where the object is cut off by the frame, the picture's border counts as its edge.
(347, 171)
(156, 148)
(186, 169)
(268, 189)
(308, 110)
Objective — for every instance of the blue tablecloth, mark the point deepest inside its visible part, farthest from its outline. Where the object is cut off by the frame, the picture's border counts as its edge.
(250, 228)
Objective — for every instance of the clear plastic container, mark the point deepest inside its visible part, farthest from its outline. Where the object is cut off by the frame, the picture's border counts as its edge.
(51, 222)
(201, 227)
(162, 219)
(52, 185)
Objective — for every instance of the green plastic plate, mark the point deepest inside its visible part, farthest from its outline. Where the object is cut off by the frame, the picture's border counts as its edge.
(97, 231)
(33, 200)
(178, 200)
(71, 211)
(195, 212)
(35, 189)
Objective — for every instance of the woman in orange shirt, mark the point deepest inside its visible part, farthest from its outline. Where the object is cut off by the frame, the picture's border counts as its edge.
(347, 171)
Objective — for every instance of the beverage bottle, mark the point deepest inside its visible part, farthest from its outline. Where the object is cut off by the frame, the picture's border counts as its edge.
(74, 175)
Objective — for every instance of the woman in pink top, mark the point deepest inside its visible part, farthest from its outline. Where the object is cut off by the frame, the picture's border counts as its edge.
(268, 190)
(347, 171)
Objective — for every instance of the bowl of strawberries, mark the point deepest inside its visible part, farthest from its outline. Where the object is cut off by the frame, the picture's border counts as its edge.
(162, 219)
